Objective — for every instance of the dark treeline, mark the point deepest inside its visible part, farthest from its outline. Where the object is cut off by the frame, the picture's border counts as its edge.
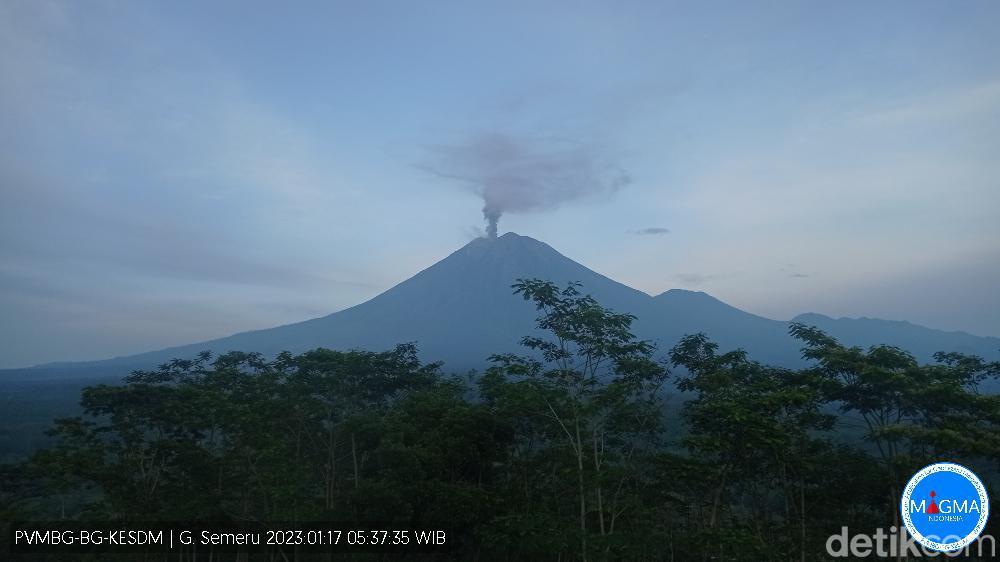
(582, 450)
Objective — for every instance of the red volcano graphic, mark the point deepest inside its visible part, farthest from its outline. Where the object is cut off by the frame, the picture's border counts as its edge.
(933, 508)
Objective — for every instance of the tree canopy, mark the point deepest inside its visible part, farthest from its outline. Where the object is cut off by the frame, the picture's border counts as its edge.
(589, 446)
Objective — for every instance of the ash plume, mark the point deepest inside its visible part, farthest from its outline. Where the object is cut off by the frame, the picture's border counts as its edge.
(492, 218)
(520, 175)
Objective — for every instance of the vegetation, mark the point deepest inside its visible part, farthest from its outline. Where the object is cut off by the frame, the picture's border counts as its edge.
(571, 452)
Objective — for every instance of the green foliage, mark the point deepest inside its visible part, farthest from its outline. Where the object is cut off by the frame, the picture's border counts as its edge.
(563, 453)
(591, 412)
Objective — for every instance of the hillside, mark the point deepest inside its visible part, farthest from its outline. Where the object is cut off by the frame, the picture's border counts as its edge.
(460, 310)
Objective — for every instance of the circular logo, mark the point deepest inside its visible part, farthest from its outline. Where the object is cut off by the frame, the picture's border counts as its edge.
(945, 507)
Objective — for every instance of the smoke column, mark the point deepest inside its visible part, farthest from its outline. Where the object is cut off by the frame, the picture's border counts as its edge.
(492, 218)
(529, 174)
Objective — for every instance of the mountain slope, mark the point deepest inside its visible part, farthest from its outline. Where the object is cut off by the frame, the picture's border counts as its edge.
(919, 340)
(461, 310)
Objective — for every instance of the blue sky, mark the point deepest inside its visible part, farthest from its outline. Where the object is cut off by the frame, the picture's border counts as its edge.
(177, 171)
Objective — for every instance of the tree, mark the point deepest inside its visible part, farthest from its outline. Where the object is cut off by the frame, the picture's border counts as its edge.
(561, 453)
(750, 423)
(912, 414)
(597, 386)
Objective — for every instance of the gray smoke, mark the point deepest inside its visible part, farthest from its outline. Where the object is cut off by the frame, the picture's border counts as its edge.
(492, 217)
(652, 231)
(518, 175)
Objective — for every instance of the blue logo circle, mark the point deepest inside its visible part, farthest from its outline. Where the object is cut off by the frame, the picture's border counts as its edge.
(945, 507)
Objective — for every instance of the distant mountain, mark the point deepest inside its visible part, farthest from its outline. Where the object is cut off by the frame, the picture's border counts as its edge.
(461, 310)
(921, 341)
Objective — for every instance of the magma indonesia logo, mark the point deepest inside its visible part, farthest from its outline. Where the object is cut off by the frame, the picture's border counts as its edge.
(945, 507)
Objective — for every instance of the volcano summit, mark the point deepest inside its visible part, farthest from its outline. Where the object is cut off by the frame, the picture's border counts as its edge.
(461, 310)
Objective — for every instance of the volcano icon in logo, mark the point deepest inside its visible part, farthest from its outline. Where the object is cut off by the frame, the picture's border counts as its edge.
(945, 507)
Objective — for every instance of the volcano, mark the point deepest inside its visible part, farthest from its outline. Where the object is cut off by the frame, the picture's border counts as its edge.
(461, 310)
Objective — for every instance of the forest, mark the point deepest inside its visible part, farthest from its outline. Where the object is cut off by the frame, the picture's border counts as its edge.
(591, 445)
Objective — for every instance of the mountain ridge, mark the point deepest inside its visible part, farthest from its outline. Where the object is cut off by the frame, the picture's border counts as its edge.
(461, 310)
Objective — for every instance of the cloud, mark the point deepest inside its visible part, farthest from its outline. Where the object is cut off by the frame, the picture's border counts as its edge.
(148, 194)
(525, 174)
(652, 231)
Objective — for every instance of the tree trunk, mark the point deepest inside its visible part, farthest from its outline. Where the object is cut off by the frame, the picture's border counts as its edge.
(718, 497)
(354, 457)
(802, 517)
(583, 498)
(894, 499)
(600, 499)
(331, 477)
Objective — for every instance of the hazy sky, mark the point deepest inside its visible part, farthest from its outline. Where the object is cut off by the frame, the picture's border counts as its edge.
(176, 171)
